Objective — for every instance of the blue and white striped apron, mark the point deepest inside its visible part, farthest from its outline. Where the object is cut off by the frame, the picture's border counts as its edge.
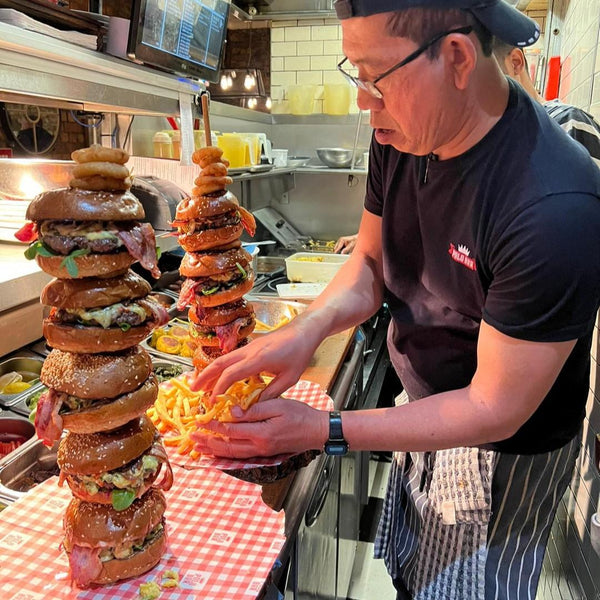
(470, 524)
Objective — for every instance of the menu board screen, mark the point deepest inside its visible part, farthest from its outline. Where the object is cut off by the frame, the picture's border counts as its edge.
(182, 36)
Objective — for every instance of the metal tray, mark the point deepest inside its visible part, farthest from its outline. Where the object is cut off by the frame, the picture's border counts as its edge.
(27, 466)
(30, 369)
(14, 427)
(271, 311)
(158, 363)
(20, 404)
(164, 355)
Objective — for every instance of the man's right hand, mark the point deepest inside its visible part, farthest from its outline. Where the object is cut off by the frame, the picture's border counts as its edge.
(284, 353)
(345, 244)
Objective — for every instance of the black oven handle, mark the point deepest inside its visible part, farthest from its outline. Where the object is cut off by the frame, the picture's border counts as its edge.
(320, 495)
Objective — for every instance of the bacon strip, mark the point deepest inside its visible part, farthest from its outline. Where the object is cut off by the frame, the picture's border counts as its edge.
(159, 452)
(159, 313)
(141, 244)
(48, 423)
(28, 233)
(85, 564)
(228, 334)
(248, 221)
(187, 293)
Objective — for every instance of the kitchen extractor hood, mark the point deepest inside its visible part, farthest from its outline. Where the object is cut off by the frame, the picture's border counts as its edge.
(274, 10)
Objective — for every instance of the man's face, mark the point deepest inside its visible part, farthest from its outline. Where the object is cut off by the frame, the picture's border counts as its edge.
(417, 108)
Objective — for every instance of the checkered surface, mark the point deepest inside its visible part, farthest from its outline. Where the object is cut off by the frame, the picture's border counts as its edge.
(304, 391)
(223, 541)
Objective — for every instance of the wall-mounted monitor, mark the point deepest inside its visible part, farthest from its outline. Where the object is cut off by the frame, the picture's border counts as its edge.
(181, 36)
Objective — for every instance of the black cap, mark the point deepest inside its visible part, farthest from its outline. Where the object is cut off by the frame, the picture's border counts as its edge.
(500, 18)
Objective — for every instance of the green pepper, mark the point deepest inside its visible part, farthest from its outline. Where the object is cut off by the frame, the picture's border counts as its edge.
(210, 291)
(122, 499)
(241, 270)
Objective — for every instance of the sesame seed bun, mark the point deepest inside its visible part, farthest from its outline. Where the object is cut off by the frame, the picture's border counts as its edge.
(90, 454)
(95, 527)
(92, 292)
(68, 204)
(96, 375)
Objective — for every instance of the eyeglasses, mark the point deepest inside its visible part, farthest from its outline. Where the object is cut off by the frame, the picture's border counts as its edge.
(370, 86)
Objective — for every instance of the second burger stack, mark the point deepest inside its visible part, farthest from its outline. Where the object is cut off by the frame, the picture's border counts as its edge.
(218, 270)
(100, 381)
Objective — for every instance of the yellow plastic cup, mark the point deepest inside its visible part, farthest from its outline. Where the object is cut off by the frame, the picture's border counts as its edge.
(336, 99)
(234, 149)
(302, 99)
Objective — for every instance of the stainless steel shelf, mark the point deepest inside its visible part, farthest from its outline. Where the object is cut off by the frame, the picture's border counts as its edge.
(41, 69)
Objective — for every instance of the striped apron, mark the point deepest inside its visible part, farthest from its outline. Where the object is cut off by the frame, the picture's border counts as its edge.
(470, 524)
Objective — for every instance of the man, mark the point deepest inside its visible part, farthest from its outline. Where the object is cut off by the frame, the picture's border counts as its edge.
(480, 231)
(577, 123)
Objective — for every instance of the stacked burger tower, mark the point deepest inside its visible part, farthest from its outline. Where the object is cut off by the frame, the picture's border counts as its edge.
(100, 381)
(217, 269)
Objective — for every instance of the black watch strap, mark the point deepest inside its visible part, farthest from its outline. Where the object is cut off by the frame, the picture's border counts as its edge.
(336, 444)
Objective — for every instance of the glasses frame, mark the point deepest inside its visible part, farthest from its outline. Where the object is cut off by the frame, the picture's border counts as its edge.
(371, 86)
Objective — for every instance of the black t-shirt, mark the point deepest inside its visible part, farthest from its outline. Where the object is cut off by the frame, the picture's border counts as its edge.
(509, 232)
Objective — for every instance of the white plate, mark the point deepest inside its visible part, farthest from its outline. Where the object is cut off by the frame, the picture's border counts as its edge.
(308, 291)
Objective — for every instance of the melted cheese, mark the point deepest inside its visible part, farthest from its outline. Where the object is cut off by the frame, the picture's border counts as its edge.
(107, 315)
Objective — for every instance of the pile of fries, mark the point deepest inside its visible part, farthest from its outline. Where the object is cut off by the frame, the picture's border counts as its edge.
(178, 411)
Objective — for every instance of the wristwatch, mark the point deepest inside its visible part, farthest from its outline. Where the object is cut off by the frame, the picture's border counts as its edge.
(336, 445)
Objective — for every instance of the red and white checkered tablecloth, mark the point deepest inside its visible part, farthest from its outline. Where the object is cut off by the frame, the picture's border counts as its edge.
(223, 541)
(305, 391)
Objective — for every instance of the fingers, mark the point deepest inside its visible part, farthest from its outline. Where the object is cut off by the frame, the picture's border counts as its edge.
(209, 376)
(218, 446)
(340, 245)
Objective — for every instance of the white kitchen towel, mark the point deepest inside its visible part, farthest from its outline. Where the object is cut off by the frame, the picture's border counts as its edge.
(452, 551)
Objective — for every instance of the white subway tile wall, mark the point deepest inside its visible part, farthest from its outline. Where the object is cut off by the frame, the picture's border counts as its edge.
(305, 52)
(572, 568)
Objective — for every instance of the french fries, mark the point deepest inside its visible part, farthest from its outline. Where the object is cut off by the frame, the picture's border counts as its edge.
(178, 411)
(262, 326)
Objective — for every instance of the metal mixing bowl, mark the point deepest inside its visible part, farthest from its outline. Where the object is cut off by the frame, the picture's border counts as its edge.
(297, 161)
(336, 158)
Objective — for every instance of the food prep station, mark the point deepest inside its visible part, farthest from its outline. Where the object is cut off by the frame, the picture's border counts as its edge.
(322, 500)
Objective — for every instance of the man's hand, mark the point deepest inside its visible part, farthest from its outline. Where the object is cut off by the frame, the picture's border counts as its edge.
(283, 353)
(267, 428)
(345, 244)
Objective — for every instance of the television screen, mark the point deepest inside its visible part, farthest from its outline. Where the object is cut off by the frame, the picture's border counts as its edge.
(182, 36)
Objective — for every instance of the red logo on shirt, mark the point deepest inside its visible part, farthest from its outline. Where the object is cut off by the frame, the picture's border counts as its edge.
(461, 256)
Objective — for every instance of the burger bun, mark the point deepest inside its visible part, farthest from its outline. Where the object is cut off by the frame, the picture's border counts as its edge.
(68, 204)
(93, 292)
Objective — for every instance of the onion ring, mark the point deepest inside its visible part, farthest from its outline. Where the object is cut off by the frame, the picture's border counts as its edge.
(97, 153)
(105, 169)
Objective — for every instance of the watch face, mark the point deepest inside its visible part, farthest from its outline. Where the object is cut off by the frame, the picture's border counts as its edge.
(336, 448)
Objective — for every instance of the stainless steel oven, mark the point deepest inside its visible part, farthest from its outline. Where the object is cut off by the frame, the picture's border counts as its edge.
(325, 545)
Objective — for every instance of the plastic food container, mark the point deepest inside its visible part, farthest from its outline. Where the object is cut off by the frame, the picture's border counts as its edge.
(314, 267)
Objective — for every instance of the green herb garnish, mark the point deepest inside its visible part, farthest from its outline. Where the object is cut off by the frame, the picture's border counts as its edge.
(210, 291)
(125, 326)
(122, 499)
(37, 248)
(241, 269)
(69, 261)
